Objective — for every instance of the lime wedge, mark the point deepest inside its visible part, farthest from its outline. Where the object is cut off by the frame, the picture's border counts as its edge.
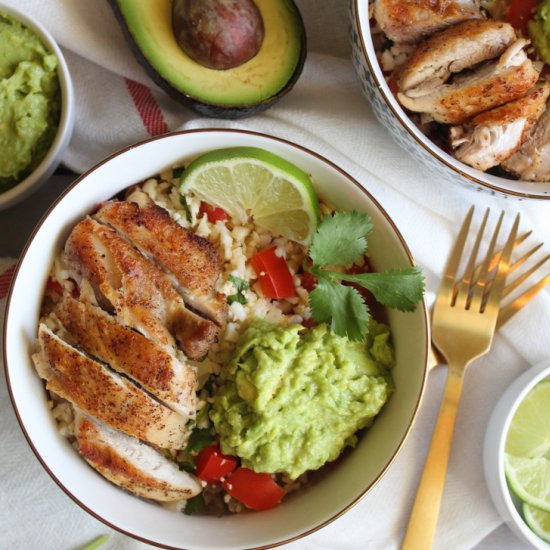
(529, 433)
(538, 521)
(248, 181)
(529, 478)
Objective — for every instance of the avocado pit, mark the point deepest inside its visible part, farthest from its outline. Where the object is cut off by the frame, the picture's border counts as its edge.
(218, 34)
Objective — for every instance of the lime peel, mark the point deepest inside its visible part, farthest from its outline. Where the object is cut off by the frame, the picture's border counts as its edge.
(529, 478)
(538, 521)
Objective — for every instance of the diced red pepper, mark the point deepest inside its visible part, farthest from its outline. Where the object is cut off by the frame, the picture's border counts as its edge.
(309, 282)
(309, 323)
(213, 213)
(392, 85)
(75, 292)
(212, 464)
(273, 273)
(54, 285)
(257, 491)
(520, 12)
(366, 294)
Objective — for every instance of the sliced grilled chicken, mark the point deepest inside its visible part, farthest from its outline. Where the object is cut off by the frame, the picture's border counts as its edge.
(129, 352)
(467, 95)
(102, 393)
(136, 289)
(192, 261)
(532, 161)
(493, 136)
(130, 464)
(452, 50)
(410, 20)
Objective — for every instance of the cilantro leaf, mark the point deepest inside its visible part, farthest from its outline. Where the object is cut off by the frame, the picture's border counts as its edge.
(241, 286)
(340, 239)
(100, 541)
(188, 215)
(400, 289)
(178, 172)
(194, 504)
(198, 440)
(341, 307)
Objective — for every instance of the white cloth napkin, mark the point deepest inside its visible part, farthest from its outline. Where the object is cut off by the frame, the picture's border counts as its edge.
(326, 113)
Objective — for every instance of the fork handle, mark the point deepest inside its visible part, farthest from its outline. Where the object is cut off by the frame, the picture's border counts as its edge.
(423, 520)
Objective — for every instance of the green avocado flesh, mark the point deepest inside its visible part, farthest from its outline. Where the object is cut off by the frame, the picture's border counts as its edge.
(539, 30)
(292, 402)
(148, 24)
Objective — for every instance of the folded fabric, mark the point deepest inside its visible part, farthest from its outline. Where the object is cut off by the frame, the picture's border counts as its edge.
(117, 105)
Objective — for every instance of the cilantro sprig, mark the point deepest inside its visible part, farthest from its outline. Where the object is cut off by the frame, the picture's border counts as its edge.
(241, 286)
(340, 240)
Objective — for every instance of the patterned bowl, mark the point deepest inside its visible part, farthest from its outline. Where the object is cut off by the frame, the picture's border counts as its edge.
(407, 135)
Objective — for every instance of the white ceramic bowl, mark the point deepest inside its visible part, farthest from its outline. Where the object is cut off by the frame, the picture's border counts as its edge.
(297, 516)
(391, 115)
(64, 131)
(504, 500)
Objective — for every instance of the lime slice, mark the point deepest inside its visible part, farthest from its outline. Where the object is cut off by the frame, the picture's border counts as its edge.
(538, 521)
(529, 433)
(529, 479)
(248, 181)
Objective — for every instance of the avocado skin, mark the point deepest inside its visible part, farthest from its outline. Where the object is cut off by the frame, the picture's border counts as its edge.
(203, 108)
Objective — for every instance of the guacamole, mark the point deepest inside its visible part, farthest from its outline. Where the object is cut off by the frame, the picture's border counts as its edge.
(29, 101)
(539, 30)
(292, 402)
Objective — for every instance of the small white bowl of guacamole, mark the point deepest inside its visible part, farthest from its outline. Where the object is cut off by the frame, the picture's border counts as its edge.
(36, 105)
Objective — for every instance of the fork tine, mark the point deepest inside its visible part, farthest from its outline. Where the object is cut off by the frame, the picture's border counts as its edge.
(496, 258)
(497, 289)
(448, 281)
(513, 285)
(481, 287)
(525, 257)
(511, 309)
(469, 273)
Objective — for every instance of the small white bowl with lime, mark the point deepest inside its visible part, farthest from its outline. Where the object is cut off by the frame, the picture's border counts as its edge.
(516, 456)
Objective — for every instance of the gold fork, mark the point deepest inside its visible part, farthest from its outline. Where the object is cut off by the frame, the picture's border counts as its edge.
(463, 324)
(508, 310)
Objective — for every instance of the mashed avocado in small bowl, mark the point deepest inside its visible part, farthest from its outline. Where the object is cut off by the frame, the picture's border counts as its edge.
(36, 112)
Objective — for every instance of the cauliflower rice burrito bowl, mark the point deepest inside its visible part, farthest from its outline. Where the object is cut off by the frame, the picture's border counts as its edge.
(212, 338)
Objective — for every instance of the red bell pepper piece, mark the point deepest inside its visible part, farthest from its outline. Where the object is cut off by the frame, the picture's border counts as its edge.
(213, 213)
(273, 273)
(255, 490)
(54, 285)
(212, 464)
(520, 12)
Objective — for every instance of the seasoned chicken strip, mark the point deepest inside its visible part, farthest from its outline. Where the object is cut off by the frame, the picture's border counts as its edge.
(491, 85)
(532, 161)
(493, 136)
(192, 261)
(130, 464)
(410, 20)
(136, 289)
(102, 393)
(453, 50)
(129, 352)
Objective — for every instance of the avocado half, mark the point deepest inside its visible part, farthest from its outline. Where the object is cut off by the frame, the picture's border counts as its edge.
(232, 93)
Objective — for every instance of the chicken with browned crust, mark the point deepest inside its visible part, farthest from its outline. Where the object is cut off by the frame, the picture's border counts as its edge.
(410, 20)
